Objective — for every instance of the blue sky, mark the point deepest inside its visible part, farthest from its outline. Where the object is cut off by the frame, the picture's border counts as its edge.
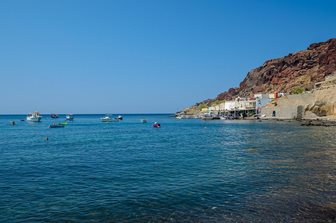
(143, 56)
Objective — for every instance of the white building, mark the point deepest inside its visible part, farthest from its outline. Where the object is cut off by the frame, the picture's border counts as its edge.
(245, 104)
(229, 105)
(262, 100)
(222, 106)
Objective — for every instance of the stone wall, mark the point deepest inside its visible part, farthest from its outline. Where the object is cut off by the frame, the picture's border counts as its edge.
(310, 105)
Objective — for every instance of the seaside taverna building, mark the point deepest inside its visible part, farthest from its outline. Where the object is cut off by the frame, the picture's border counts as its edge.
(241, 106)
(235, 107)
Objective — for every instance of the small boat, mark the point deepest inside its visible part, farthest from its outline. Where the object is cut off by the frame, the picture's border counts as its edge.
(143, 121)
(156, 125)
(107, 118)
(63, 123)
(34, 117)
(206, 118)
(120, 117)
(12, 123)
(69, 117)
(56, 125)
(54, 116)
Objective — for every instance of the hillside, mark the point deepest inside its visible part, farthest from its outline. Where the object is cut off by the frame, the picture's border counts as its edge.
(300, 70)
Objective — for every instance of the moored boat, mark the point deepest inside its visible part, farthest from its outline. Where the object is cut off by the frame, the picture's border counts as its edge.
(108, 118)
(206, 118)
(156, 125)
(120, 117)
(63, 123)
(34, 117)
(54, 116)
(210, 117)
(143, 121)
(69, 117)
(56, 125)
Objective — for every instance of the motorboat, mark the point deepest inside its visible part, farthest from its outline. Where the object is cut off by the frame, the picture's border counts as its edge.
(69, 117)
(206, 118)
(56, 125)
(108, 118)
(143, 121)
(63, 123)
(34, 117)
(156, 125)
(54, 116)
(120, 117)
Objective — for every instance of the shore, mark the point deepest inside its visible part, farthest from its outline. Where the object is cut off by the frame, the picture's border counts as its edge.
(325, 121)
(319, 122)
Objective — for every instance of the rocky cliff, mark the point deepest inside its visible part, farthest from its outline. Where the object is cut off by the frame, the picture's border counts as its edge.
(296, 70)
(294, 73)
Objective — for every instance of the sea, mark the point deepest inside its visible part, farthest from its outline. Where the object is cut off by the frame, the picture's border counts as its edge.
(185, 171)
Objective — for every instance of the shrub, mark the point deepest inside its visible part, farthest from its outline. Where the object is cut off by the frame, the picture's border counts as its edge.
(298, 90)
(201, 106)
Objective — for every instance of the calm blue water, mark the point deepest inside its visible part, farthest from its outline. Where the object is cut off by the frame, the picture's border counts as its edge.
(187, 171)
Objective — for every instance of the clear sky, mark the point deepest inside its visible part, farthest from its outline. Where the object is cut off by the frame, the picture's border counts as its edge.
(143, 56)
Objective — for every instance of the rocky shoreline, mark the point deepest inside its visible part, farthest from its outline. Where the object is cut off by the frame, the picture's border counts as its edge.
(317, 122)
(303, 122)
(307, 122)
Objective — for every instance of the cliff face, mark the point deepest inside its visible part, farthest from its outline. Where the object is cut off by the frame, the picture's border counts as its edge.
(298, 70)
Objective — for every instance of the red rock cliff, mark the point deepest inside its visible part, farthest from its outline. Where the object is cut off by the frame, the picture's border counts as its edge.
(300, 69)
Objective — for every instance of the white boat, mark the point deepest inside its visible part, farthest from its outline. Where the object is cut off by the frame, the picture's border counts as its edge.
(108, 118)
(34, 117)
(143, 121)
(69, 117)
(120, 117)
